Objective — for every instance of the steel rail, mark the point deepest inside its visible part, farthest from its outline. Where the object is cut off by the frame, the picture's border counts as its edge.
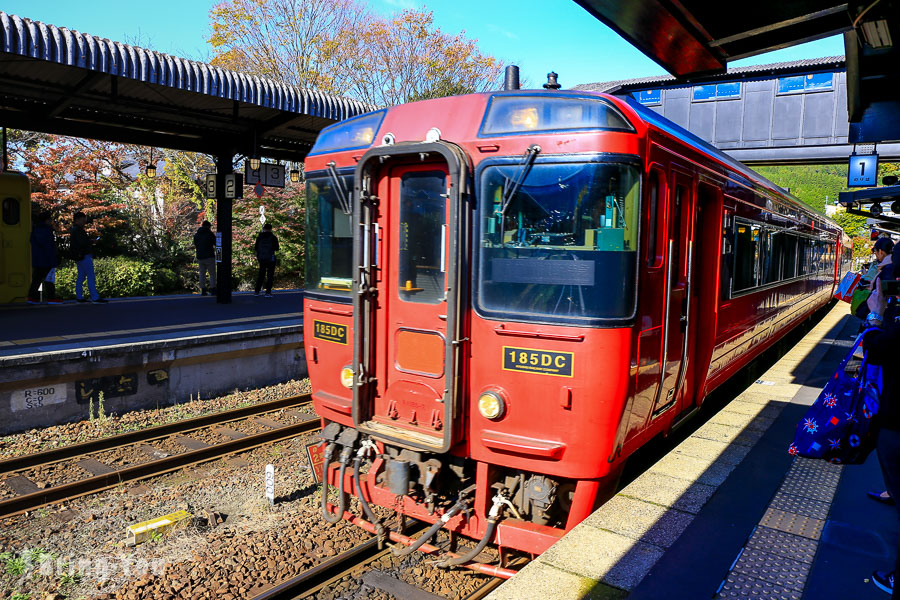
(54, 455)
(329, 571)
(317, 577)
(21, 504)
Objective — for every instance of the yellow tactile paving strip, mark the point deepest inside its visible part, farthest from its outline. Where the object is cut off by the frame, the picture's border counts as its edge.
(619, 544)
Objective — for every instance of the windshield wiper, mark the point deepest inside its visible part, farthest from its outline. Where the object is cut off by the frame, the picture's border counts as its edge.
(510, 191)
(341, 191)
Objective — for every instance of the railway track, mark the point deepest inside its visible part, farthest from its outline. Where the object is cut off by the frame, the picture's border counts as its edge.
(309, 583)
(105, 477)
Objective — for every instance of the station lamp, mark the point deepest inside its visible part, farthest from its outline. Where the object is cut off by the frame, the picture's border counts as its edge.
(151, 166)
(254, 163)
(295, 174)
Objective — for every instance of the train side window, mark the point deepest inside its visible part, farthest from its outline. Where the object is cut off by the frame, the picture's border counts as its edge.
(727, 253)
(746, 255)
(790, 256)
(771, 255)
(654, 258)
(11, 211)
(677, 235)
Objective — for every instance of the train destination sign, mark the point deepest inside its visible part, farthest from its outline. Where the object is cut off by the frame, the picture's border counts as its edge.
(541, 362)
(330, 332)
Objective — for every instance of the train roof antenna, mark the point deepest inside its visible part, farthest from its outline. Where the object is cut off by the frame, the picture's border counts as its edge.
(510, 191)
(342, 193)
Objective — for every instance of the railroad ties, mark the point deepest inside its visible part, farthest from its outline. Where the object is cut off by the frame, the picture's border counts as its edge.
(77, 458)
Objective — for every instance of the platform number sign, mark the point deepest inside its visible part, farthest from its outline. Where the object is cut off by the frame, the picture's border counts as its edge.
(209, 187)
(863, 171)
(268, 174)
(234, 186)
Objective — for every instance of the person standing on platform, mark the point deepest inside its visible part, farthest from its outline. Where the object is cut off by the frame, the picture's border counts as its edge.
(82, 249)
(205, 243)
(266, 247)
(43, 259)
(881, 349)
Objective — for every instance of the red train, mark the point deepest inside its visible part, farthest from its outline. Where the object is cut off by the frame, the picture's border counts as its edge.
(509, 293)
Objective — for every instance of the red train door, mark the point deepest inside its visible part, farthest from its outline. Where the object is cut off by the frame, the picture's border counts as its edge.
(676, 307)
(408, 346)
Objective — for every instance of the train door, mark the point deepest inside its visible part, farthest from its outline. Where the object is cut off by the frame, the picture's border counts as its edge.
(412, 366)
(676, 305)
(15, 231)
(703, 285)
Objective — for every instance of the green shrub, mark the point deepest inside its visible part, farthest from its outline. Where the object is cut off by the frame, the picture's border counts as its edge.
(119, 277)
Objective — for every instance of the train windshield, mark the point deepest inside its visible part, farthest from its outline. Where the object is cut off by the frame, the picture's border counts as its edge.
(329, 234)
(563, 246)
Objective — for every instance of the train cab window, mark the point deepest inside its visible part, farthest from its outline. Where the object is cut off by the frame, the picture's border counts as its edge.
(329, 260)
(11, 211)
(524, 114)
(564, 245)
(422, 236)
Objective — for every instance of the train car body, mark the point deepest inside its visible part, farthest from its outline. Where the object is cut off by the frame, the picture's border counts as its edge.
(509, 293)
(15, 235)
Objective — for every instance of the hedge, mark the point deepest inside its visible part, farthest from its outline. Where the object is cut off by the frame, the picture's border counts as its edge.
(119, 277)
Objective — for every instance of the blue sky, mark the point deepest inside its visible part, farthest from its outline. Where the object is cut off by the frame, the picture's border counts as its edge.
(538, 35)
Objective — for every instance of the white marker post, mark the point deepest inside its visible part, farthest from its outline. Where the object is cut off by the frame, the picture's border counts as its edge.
(270, 484)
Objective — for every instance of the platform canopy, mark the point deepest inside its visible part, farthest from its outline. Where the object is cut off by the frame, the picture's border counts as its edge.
(56, 80)
(690, 38)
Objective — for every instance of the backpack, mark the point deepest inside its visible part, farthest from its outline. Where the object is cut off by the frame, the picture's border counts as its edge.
(265, 248)
(838, 427)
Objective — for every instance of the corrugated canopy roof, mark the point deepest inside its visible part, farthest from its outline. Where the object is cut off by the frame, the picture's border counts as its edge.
(57, 80)
(733, 73)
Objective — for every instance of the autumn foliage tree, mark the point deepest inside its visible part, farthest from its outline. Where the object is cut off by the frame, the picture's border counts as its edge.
(342, 47)
(71, 174)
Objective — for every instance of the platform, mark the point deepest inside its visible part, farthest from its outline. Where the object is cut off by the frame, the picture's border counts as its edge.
(142, 352)
(728, 513)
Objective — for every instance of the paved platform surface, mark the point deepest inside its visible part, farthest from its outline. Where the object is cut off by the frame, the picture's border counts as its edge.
(28, 329)
(729, 514)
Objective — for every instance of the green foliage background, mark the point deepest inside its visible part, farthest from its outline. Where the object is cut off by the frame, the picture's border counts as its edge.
(119, 276)
(810, 183)
(813, 184)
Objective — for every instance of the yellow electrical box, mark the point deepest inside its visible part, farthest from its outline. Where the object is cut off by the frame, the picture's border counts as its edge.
(15, 235)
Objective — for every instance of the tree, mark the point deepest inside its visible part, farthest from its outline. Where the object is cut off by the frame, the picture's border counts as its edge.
(407, 58)
(341, 47)
(297, 42)
(853, 225)
(71, 174)
(285, 210)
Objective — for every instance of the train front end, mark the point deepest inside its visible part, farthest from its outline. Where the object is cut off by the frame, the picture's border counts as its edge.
(471, 292)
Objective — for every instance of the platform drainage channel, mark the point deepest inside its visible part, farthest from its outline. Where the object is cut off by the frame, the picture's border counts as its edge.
(776, 560)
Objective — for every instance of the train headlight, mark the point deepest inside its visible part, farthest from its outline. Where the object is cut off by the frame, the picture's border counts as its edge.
(491, 405)
(347, 377)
